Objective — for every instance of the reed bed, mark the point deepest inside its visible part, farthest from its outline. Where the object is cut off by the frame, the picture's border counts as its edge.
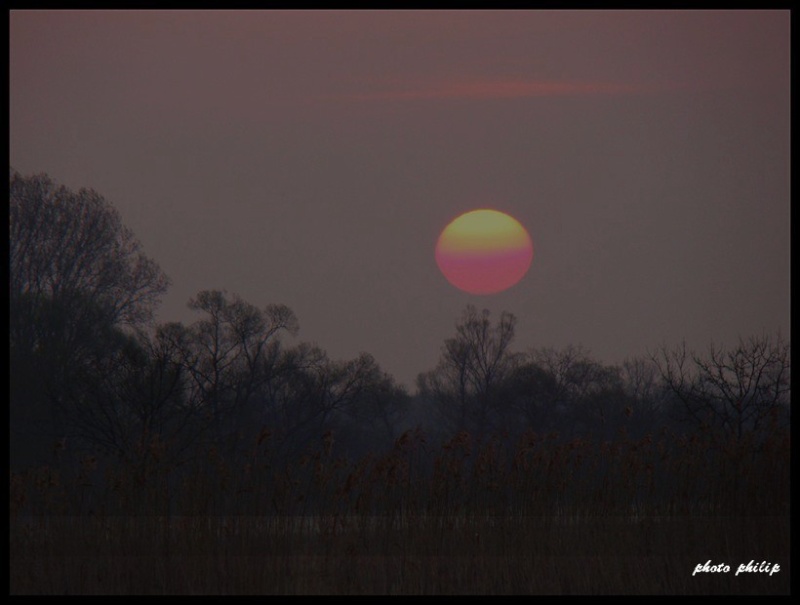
(537, 515)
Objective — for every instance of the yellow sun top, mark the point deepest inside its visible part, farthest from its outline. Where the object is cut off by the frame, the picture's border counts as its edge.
(481, 231)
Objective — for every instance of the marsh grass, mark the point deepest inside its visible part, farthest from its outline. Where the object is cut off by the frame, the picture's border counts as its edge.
(541, 516)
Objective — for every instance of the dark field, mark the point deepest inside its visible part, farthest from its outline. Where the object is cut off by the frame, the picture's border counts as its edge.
(568, 518)
(246, 555)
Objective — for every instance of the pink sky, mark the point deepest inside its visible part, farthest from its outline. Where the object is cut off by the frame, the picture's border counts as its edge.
(313, 157)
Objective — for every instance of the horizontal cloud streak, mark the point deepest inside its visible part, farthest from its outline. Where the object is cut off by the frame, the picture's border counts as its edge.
(505, 89)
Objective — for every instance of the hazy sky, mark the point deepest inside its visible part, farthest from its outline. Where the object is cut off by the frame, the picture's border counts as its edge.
(312, 159)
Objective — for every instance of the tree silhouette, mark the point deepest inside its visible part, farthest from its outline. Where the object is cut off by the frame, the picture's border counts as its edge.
(77, 276)
(738, 391)
(72, 248)
(567, 391)
(465, 385)
(227, 354)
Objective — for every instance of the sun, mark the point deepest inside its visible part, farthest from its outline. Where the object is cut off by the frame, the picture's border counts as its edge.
(484, 251)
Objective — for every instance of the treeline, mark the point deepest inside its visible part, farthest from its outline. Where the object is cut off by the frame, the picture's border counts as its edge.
(92, 374)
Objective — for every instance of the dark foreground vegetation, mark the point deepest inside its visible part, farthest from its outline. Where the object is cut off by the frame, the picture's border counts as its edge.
(541, 518)
(216, 457)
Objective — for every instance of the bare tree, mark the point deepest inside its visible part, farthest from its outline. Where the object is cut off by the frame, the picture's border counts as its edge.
(225, 355)
(533, 393)
(734, 391)
(375, 415)
(72, 248)
(76, 276)
(308, 394)
(130, 401)
(465, 385)
(643, 389)
(583, 395)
